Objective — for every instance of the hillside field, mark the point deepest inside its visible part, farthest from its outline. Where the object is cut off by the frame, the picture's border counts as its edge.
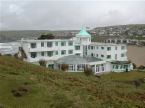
(24, 85)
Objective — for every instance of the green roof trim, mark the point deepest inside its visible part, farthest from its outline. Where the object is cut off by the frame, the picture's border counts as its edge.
(83, 33)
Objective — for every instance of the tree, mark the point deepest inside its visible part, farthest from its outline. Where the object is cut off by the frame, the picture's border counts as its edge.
(46, 36)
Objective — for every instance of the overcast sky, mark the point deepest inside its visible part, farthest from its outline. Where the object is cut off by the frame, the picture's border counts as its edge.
(65, 14)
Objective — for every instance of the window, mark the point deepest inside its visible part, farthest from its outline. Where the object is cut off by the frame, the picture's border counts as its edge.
(97, 47)
(56, 43)
(33, 45)
(63, 43)
(70, 51)
(77, 47)
(116, 67)
(102, 48)
(122, 47)
(42, 53)
(108, 56)
(42, 44)
(56, 52)
(108, 48)
(121, 67)
(33, 54)
(88, 47)
(96, 55)
(115, 47)
(102, 66)
(49, 53)
(97, 68)
(113, 66)
(125, 66)
(70, 43)
(122, 55)
(78, 54)
(70, 67)
(80, 67)
(92, 54)
(92, 47)
(49, 44)
(102, 56)
(63, 52)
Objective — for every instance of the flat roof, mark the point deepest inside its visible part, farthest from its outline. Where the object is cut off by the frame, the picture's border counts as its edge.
(120, 62)
(75, 59)
(45, 40)
(105, 44)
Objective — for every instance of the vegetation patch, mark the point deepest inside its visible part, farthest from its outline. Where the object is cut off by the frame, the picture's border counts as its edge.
(19, 92)
(24, 85)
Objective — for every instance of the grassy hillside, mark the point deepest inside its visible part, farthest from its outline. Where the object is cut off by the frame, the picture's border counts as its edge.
(24, 85)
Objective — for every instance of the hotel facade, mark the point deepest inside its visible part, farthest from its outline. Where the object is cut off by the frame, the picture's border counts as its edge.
(77, 52)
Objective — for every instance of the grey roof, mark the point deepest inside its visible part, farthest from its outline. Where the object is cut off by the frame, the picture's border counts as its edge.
(92, 59)
(75, 59)
(120, 62)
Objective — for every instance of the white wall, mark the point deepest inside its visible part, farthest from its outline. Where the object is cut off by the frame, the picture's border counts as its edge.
(113, 52)
(27, 48)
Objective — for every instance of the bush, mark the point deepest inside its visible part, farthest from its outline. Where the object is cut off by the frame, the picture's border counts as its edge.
(8, 55)
(64, 67)
(16, 56)
(141, 67)
(88, 71)
(42, 63)
(19, 92)
(134, 65)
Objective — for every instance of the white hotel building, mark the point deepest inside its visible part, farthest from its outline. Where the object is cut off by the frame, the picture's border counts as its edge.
(78, 52)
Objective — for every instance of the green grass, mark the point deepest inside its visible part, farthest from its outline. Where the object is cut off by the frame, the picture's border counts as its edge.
(56, 89)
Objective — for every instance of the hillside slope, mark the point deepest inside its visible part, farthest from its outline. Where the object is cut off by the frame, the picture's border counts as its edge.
(129, 30)
(24, 85)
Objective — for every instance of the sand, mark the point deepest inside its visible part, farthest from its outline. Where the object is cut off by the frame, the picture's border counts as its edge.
(136, 55)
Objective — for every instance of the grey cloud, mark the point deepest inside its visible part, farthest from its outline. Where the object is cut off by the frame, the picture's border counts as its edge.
(68, 14)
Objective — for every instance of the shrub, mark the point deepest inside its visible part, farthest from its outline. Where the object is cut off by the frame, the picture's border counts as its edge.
(134, 65)
(88, 71)
(0, 54)
(8, 55)
(16, 56)
(141, 67)
(64, 67)
(19, 92)
(42, 63)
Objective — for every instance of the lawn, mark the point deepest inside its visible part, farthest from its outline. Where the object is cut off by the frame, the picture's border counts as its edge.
(24, 85)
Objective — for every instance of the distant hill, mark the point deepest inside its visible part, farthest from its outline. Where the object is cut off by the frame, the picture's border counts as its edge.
(129, 31)
(24, 85)
(17, 35)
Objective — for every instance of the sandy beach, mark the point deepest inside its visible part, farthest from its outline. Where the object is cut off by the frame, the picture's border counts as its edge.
(136, 55)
